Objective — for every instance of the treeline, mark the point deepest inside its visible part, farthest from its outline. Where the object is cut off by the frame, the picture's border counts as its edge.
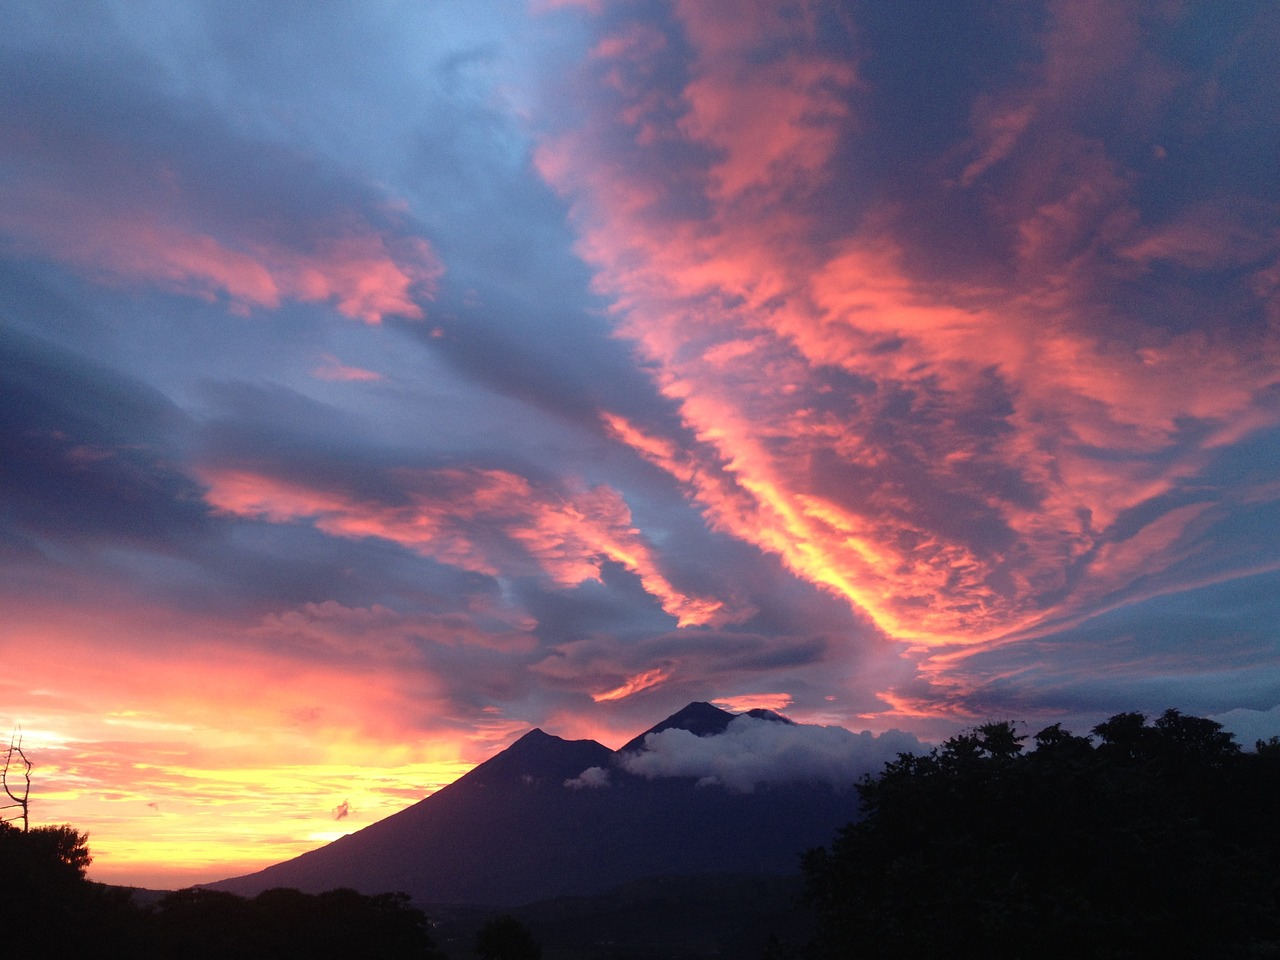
(49, 910)
(1158, 840)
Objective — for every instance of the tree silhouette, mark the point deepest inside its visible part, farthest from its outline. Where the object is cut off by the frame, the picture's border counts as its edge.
(506, 938)
(1161, 841)
(48, 908)
(20, 800)
(286, 924)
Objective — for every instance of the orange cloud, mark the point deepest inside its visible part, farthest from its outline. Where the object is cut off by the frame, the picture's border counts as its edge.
(774, 123)
(365, 274)
(632, 685)
(487, 521)
(951, 454)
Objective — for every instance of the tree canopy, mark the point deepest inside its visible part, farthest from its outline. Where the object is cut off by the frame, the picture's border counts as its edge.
(1160, 839)
(506, 938)
(47, 906)
(49, 909)
(285, 924)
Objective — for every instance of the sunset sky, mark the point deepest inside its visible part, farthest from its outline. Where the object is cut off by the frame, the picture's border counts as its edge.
(379, 380)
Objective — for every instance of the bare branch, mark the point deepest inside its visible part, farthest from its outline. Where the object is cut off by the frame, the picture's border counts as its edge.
(21, 802)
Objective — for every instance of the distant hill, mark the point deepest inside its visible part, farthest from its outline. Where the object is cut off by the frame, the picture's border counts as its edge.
(516, 829)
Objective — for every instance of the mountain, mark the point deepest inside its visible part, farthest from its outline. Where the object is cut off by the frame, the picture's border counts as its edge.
(516, 829)
(700, 719)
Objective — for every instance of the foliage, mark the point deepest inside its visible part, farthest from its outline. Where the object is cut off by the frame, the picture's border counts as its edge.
(45, 855)
(284, 924)
(506, 938)
(1161, 840)
(48, 909)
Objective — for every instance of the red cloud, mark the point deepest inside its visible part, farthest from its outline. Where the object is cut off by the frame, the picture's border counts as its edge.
(641, 681)
(366, 274)
(488, 521)
(948, 451)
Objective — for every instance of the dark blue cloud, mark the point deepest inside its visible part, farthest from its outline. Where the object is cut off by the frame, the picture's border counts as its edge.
(88, 455)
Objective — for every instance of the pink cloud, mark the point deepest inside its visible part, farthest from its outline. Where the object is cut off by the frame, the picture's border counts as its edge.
(774, 123)
(334, 369)
(487, 521)
(1024, 400)
(633, 685)
(365, 274)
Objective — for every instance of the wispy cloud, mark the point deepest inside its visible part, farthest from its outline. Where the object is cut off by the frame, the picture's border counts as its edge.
(959, 450)
(333, 369)
(485, 521)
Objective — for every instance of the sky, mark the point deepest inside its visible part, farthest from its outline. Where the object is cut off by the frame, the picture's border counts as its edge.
(380, 380)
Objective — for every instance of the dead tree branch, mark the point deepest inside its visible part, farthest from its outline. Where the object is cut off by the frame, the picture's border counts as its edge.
(18, 801)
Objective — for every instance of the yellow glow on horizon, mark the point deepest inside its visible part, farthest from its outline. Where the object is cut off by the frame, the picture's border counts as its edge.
(220, 757)
(220, 823)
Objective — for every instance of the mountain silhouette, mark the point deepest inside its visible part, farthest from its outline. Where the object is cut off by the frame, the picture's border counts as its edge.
(522, 827)
(700, 719)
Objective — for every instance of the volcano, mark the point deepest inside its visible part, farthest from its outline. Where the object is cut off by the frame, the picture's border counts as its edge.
(527, 825)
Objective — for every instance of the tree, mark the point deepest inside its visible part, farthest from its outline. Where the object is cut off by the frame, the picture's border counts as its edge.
(1000, 741)
(1159, 841)
(19, 800)
(506, 938)
(286, 924)
(48, 908)
(1194, 738)
(1125, 735)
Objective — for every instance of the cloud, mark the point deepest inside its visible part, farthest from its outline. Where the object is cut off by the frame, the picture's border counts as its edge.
(353, 268)
(690, 662)
(754, 752)
(89, 454)
(1250, 726)
(333, 369)
(975, 403)
(641, 681)
(482, 520)
(591, 778)
(242, 222)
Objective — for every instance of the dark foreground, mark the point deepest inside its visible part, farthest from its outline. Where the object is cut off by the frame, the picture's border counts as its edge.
(1144, 840)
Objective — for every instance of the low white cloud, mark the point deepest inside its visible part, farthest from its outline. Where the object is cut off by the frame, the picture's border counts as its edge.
(754, 751)
(591, 777)
(1250, 726)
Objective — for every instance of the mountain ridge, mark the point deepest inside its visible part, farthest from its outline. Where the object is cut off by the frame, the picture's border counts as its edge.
(699, 718)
